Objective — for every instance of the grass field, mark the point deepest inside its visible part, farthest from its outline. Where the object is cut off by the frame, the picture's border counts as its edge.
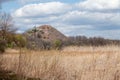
(72, 63)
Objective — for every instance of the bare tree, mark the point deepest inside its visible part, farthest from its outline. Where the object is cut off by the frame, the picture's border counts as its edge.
(6, 24)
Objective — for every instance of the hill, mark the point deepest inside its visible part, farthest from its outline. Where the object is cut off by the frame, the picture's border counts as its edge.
(46, 33)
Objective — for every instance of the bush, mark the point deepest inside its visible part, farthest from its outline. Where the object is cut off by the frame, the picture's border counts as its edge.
(2, 46)
(37, 44)
(11, 45)
(58, 44)
(20, 41)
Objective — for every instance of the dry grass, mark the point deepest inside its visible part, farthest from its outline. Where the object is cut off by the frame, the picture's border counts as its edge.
(72, 63)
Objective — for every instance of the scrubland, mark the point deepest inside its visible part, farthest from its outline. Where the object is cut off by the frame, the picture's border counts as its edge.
(71, 63)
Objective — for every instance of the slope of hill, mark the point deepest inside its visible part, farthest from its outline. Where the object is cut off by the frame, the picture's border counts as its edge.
(46, 33)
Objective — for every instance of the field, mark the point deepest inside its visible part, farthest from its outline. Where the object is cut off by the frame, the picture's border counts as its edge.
(71, 63)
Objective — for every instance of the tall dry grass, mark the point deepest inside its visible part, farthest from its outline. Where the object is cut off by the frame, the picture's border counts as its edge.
(72, 63)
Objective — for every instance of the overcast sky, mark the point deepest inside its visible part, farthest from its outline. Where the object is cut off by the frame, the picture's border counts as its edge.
(71, 17)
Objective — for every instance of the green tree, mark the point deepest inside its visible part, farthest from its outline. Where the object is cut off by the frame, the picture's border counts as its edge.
(58, 44)
(20, 41)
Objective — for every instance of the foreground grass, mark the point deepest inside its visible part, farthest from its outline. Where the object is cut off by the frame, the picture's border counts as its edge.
(72, 63)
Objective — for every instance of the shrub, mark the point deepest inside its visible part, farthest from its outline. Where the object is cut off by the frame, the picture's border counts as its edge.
(11, 45)
(37, 44)
(58, 44)
(20, 41)
(2, 45)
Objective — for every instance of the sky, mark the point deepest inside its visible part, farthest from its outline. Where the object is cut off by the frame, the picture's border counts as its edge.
(100, 18)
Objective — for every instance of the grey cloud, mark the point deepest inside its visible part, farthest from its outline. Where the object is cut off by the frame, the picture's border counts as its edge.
(91, 18)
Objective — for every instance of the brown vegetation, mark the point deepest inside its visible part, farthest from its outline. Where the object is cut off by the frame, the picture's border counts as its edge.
(72, 63)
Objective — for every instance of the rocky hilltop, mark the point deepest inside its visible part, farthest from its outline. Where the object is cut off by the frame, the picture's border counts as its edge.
(46, 33)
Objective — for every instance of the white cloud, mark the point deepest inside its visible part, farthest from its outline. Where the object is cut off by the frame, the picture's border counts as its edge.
(100, 4)
(92, 18)
(42, 9)
(19, 31)
(71, 20)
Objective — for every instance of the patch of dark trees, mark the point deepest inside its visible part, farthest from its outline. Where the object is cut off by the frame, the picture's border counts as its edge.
(92, 41)
(36, 43)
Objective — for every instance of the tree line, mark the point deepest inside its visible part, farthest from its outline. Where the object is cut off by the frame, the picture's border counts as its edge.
(92, 41)
(36, 43)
